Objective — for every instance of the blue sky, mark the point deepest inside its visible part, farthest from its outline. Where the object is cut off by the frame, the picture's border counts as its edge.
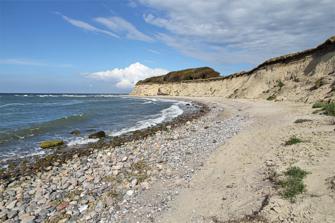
(106, 46)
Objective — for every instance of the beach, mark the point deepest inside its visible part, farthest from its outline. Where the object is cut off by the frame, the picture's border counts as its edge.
(216, 168)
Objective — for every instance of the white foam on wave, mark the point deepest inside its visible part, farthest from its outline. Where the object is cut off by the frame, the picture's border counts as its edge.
(81, 141)
(165, 115)
(12, 104)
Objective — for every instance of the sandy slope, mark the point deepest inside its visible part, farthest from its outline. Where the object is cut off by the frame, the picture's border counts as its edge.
(234, 181)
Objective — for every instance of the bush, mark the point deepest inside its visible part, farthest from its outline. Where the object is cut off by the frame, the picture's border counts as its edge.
(271, 97)
(293, 140)
(280, 84)
(293, 183)
(327, 108)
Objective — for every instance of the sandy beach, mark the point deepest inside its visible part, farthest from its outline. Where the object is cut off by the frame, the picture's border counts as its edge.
(217, 168)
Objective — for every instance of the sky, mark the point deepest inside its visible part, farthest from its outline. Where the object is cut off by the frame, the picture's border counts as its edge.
(100, 46)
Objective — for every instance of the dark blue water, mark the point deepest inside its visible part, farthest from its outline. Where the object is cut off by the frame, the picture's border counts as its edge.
(28, 119)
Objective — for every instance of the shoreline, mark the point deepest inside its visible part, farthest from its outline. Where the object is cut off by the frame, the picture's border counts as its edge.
(218, 167)
(29, 165)
(104, 185)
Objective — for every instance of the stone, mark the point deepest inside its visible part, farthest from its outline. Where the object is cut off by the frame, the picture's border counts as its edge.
(97, 135)
(26, 218)
(124, 159)
(75, 132)
(82, 208)
(145, 185)
(3, 216)
(51, 143)
(133, 183)
(11, 205)
(62, 206)
(130, 192)
(12, 214)
(99, 207)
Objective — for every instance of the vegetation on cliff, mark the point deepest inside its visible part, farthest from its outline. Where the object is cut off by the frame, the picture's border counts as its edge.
(183, 75)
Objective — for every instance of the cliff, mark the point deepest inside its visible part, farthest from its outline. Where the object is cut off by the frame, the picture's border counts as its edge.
(306, 76)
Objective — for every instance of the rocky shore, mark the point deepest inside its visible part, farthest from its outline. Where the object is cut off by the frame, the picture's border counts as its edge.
(132, 182)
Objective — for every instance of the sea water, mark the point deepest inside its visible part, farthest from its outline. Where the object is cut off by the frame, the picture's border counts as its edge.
(28, 119)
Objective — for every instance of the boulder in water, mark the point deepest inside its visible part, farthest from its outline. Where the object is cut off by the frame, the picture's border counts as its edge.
(97, 135)
(51, 143)
(75, 132)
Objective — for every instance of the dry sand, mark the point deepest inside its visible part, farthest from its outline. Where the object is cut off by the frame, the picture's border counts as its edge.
(234, 182)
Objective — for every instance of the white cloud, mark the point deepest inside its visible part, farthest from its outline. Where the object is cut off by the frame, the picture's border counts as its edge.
(224, 31)
(119, 25)
(86, 26)
(128, 76)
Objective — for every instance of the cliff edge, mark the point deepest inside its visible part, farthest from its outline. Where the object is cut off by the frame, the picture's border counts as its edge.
(306, 76)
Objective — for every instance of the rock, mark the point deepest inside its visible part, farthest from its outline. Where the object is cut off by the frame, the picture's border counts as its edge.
(75, 132)
(51, 143)
(133, 183)
(124, 159)
(99, 207)
(3, 216)
(83, 208)
(130, 192)
(26, 218)
(11, 205)
(97, 135)
(62, 206)
(145, 185)
(12, 214)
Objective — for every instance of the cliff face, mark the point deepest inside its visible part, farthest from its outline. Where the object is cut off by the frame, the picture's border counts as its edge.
(306, 76)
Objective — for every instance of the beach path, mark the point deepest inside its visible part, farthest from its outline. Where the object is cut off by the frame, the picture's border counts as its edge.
(234, 185)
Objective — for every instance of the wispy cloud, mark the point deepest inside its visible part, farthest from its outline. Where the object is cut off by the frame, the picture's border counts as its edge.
(113, 26)
(127, 77)
(86, 26)
(28, 62)
(122, 26)
(153, 51)
(240, 31)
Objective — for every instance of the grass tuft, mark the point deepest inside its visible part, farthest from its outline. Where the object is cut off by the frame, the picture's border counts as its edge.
(271, 97)
(293, 140)
(302, 121)
(293, 183)
(327, 108)
(280, 84)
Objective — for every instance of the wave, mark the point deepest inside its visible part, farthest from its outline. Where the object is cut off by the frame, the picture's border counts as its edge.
(79, 95)
(81, 141)
(41, 128)
(12, 104)
(165, 115)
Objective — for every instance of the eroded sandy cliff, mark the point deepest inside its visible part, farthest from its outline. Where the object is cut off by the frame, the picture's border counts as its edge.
(306, 76)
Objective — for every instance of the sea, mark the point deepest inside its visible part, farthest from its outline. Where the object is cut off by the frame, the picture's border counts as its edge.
(28, 119)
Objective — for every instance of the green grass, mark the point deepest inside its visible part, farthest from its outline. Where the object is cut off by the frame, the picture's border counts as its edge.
(327, 108)
(271, 97)
(318, 83)
(280, 84)
(293, 140)
(293, 183)
(319, 104)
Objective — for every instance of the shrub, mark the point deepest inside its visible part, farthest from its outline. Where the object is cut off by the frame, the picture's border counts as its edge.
(318, 83)
(327, 108)
(293, 183)
(293, 140)
(280, 84)
(271, 97)
(319, 104)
